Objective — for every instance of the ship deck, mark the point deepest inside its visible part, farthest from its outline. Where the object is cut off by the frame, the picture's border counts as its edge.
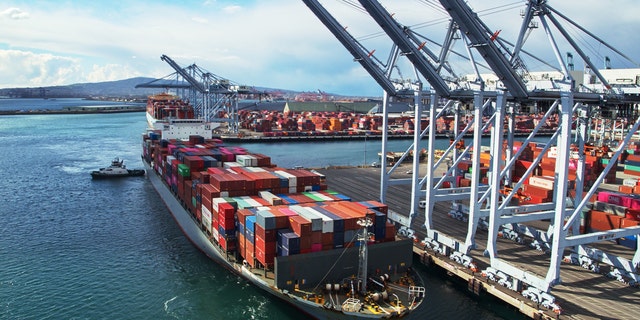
(582, 294)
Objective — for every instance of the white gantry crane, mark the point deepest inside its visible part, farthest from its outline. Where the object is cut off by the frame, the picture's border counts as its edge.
(493, 99)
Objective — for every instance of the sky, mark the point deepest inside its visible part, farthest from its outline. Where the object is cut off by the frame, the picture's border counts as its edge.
(263, 43)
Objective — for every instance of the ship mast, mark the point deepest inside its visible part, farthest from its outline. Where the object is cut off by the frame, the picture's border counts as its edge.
(363, 253)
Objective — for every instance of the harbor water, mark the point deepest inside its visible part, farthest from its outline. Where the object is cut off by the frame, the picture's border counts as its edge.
(76, 248)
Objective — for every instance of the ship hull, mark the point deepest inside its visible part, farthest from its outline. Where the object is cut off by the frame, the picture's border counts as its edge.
(199, 239)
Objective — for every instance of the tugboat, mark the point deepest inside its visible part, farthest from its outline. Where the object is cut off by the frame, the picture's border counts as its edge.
(117, 169)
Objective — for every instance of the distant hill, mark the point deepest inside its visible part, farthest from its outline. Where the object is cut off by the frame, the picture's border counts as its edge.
(109, 89)
(126, 89)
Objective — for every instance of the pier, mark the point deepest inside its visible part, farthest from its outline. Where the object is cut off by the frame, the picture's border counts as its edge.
(581, 295)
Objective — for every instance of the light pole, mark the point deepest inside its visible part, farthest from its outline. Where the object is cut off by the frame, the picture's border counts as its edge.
(365, 150)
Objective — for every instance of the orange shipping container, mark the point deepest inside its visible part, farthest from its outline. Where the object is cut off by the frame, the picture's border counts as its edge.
(603, 221)
(300, 225)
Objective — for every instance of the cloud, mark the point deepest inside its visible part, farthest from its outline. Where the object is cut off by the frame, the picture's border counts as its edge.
(14, 13)
(200, 20)
(111, 72)
(278, 44)
(21, 68)
(232, 9)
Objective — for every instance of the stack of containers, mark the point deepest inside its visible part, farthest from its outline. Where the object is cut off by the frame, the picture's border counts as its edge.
(246, 235)
(327, 229)
(630, 186)
(226, 226)
(302, 228)
(304, 218)
(288, 243)
(615, 210)
(266, 237)
(314, 235)
(632, 165)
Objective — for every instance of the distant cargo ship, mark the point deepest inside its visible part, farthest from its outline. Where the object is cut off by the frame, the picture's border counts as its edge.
(282, 230)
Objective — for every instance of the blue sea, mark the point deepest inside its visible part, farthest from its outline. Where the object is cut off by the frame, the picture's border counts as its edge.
(75, 248)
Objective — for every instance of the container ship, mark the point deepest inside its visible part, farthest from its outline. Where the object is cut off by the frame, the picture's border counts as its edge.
(282, 230)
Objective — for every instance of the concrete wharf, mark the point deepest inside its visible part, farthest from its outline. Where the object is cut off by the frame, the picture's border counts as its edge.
(581, 295)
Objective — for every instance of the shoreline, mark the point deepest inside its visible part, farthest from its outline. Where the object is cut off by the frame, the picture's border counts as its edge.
(347, 137)
(75, 110)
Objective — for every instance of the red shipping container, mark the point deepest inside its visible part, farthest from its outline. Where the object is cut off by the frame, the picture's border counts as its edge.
(327, 239)
(625, 223)
(241, 245)
(633, 214)
(214, 222)
(390, 232)
(267, 235)
(305, 243)
(602, 221)
(265, 258)
(226, 209)
(316, 236)
(379, 206)
(537, 191)
(625, 189)
(300, 225)
(242, 214)
(227, 244)
(282, 219)
(250, 254)
(464, 183)
(226, 223)
(265, 246)
(209, 192)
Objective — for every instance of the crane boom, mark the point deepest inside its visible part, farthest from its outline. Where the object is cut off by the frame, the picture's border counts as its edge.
(410, 49)
(470, 24)
(360, 55)
(195, 83)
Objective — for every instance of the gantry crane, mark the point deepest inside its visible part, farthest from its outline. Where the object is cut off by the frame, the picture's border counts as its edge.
(211, 95)
(489, 206)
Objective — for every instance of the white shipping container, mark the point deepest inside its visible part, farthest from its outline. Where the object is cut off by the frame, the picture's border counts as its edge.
(252, 202)
(270, 197)
(327, 223)
(542, 182)
(231, 165)
(247, 160)
(292, 179)
(316, 221)
(206, 218)
(215, 202)
(630, 182)
(215, 234)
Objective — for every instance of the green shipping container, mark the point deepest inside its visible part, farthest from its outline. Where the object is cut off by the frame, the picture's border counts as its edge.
(632, 168)
(184, 170)
(313, 197)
